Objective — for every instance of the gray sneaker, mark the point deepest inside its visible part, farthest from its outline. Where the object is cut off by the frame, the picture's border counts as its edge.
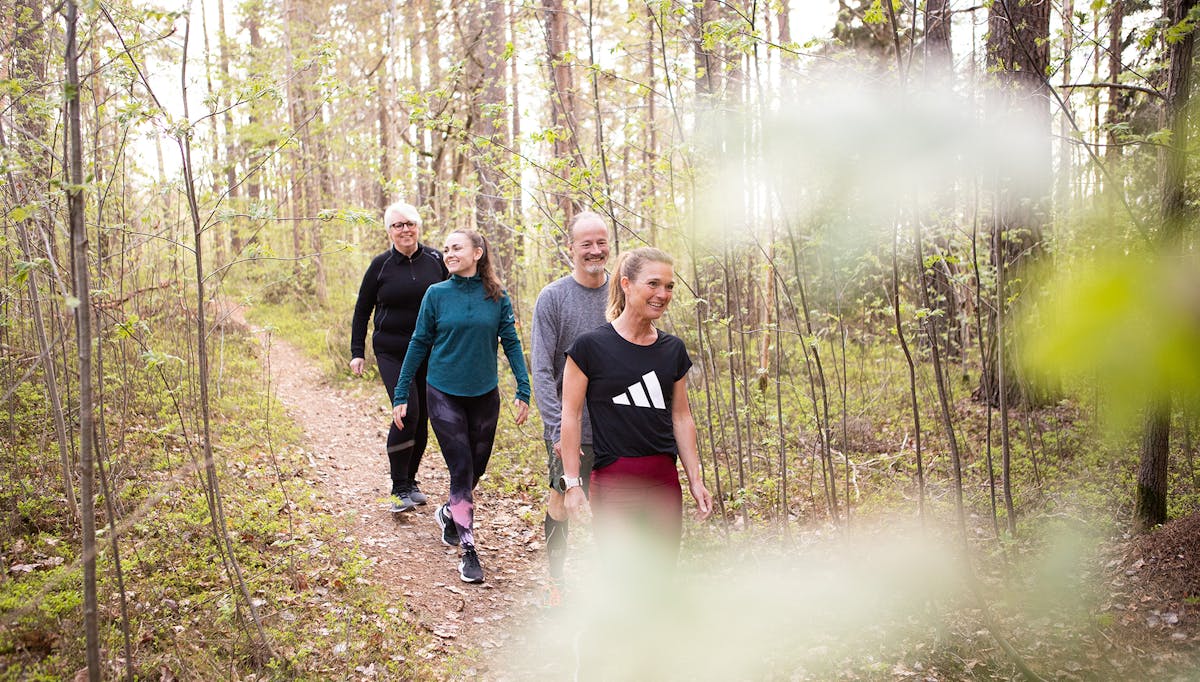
(415, 494)
(446, 523)
(468, 567)
(402, 502)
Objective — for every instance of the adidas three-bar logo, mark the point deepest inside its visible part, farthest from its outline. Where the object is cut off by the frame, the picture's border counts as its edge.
(645, 393)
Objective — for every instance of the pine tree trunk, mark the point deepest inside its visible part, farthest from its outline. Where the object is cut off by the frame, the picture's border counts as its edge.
(939, 59)
(562, 99)
(1151, 506)
(1118, 100)
(487, 80)
(1018, 54)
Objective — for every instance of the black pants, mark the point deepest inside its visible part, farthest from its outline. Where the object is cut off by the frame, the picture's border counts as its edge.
(406, 446)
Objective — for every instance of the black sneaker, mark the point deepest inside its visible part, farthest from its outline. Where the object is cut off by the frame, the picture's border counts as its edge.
(415, 494)
(446, 523)
(468, 567)
(402, 502)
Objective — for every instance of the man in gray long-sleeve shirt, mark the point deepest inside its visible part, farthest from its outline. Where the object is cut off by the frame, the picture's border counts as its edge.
(566, 308)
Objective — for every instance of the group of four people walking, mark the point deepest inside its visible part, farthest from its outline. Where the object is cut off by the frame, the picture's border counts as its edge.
(612, 396)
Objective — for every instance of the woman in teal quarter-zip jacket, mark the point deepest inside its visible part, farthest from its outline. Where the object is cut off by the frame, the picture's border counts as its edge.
(461, 324)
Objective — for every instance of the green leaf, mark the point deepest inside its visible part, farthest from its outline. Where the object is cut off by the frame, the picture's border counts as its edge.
(22, 213)
(25, 268)
(155, 359)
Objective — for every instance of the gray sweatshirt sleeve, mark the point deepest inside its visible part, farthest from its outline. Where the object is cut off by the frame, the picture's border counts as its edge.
(543, 353)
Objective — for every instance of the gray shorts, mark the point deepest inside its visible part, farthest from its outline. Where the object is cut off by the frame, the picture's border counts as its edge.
(555, 466)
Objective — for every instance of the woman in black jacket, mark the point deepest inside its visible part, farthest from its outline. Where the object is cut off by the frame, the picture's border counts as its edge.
(392, 289)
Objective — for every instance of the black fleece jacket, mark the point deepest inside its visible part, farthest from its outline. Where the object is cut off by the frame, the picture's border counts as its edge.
(393, 287)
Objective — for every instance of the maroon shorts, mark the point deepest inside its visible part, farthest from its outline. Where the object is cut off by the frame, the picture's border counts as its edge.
(639, 495)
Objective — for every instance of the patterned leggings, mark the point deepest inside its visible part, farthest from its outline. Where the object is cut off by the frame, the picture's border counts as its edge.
(465, 427)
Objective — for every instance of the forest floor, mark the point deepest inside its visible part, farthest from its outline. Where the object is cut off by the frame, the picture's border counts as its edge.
(1152, 584)
(344, 434)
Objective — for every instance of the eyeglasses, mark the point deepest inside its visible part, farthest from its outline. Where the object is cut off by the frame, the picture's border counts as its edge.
(403, 225)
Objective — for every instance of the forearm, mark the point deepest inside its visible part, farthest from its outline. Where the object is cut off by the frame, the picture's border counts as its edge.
(569, 445)
(516, 362)
(417, 353)
(546, 392)
(685, 441)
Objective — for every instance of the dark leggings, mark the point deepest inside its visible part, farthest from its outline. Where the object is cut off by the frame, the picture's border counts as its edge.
(465, 429)
(406, 446)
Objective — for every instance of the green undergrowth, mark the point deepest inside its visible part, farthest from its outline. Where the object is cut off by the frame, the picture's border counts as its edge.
(308, 608)
(1072, 485)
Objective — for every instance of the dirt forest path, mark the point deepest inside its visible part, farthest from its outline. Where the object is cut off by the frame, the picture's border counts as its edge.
(344, 433)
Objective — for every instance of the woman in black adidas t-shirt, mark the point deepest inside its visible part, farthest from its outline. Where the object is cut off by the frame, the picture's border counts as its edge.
(634, 379)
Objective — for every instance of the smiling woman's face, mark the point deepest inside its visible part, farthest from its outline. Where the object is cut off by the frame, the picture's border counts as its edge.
(651, 292)
(404, 233)
(460, 255)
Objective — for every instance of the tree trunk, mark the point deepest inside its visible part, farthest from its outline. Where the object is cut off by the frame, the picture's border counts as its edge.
(487, 79)
(28, 145)
(650, 146)
(83, 325)
(218, 236)
(707, 66)
(1066, 163)
(1118, 100)
(254, 157)
(562, 99)
(386, 98)
(939, 58)
(514, 132)
(1151, 506)
(1018, 54)
(230, 164)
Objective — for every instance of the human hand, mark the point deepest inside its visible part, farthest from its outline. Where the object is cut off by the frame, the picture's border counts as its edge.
(356, 366)
(704, 503)
(576, 503)
(558, 449)
(398, 413)
(522, 410)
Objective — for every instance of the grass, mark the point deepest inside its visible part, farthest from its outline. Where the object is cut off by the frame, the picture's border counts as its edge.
(186, 618)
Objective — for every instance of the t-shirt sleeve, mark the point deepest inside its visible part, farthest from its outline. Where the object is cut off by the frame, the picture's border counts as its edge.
(683, 361)
(578, 351)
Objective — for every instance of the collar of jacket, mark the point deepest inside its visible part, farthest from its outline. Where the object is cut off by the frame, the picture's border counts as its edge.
(421, 248)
